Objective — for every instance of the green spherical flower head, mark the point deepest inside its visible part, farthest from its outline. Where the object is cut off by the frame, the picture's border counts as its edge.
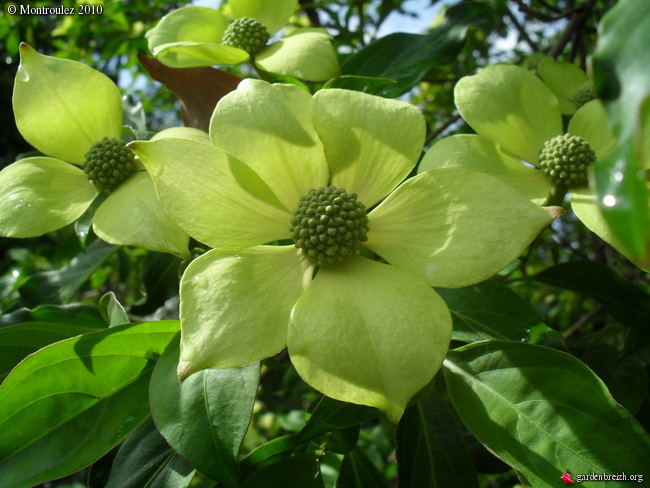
(247, 34)
(565, 159)
(108, 163)
(329, 225)
(584, 94)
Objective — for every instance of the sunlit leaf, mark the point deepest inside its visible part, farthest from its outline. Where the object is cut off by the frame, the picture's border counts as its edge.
(543, 411)
(66, 405)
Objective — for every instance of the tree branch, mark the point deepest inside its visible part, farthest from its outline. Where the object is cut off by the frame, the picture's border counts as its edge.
(575, 24)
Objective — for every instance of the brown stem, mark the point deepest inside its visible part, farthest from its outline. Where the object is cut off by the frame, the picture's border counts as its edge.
(522, 32)
(442, 128)
(575, 24)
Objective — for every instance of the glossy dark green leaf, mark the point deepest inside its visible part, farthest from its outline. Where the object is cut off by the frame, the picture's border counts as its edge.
(622, 299)
(267, 454)
(493, 311)
(69, 403)
(112, 310)
(626, 378)
(330, 415)
(366, 84)
(623, 83)
(206, 417)
(58, 286)
(297, 471)
(406, 58)
(146, 460)
(160, 280)
(357, 471)
(71, 314)
(83, 228)
(542, 411)
(19, 341)
(431, 452)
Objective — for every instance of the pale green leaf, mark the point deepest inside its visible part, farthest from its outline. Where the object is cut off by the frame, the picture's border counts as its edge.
(483, 155)
(213, 197)
(306, 54)
(190, 37)
(512, 107)
(183, 133)
(590, 123)
(133, 216)
(371, 143)
(269, 128)
(453, 227)
(368, 333)
(63, 107)
(273, 15)
(41, 195)
(564, 80)
(235, 306)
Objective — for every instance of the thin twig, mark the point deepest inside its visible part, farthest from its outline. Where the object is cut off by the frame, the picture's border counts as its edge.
(543, 17)
(442, 128)
(584, 320)
(311, 13)
(575, 24)
(522, 32)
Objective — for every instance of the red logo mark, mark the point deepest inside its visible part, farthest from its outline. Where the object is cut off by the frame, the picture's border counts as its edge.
(566, 477)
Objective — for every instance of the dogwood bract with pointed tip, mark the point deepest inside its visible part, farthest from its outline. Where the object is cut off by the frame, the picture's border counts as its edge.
(199, 36)
(73, 113)
(569, 84)
(517, 118)
(318, 170)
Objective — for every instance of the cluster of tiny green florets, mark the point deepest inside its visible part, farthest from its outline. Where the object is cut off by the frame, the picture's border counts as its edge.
(585, 93)
(565, 159)
(108, 163)
(247, 34)
(329, 224)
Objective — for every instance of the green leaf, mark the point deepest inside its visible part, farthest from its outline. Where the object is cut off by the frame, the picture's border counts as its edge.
(267, 454)
(626, 379)
(366, 84)
(298, 471)
(493, 311)
(160, 276)
(69, 403)
(406, 58)
(357, 471)
(145, 460)
(431, 452)
(329, 415)
(58, 286)
(623, 83)
(19, 341)
(542, 411)
(205, 417)
(73, 314)
(112, 311)
(622, 299)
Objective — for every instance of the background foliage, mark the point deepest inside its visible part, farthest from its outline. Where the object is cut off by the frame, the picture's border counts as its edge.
(571, 303)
